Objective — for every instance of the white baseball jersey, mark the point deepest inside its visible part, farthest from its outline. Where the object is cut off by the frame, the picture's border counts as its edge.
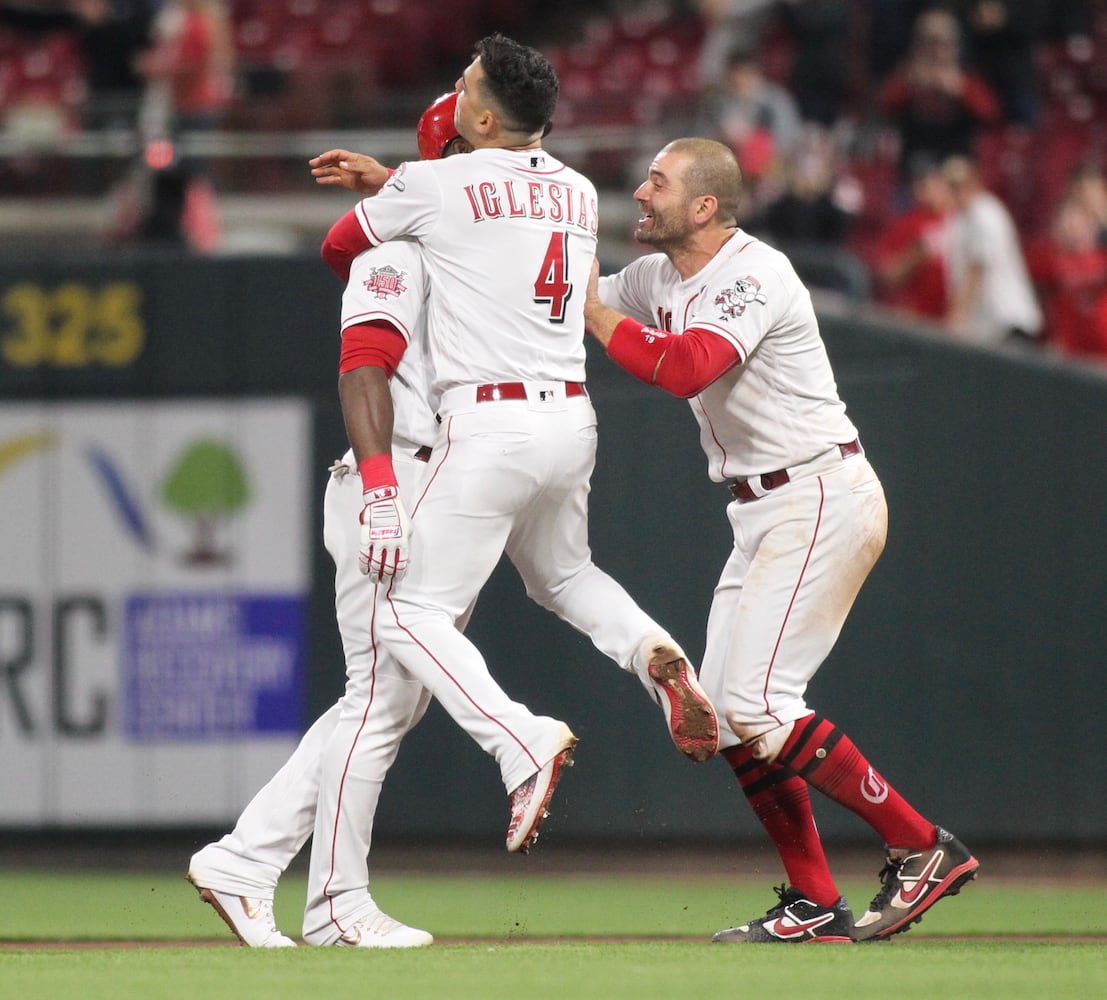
(548, 217)
(779, 407)
(388, 284)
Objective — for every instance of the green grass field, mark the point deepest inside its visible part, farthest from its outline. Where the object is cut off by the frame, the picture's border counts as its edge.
(540, 935)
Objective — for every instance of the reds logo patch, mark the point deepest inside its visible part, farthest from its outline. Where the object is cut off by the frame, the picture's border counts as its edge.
(385, 282)
(732, 302)
(874, 788)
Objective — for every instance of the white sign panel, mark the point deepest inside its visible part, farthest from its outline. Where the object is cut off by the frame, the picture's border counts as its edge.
(154, 580)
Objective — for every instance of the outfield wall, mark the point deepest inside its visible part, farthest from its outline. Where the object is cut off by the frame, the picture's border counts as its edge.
(971, 670)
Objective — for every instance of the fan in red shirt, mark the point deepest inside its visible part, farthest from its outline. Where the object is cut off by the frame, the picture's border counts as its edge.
(909, 259)
(936, 103)
(1069, 269)
(194, 54)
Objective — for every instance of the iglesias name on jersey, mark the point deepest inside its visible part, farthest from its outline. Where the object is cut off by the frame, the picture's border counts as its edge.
(508, 237)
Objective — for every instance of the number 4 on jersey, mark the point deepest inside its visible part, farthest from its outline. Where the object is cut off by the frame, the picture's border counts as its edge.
(552, 286)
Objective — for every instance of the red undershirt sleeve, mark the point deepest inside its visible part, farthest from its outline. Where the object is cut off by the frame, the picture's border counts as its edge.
(378, 344)
(681, 363)
(345, 240)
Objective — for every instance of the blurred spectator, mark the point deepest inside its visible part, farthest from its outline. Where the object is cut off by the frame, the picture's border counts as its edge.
(810, 218)
(190, 69)
(1088, 187)
(937, 106)
(819, 202)
(910, 259)
(1098, 347)
(110, 34)
(729, 24)
(193, 57)
(888, 31)
(1069, 269)
(1073, 22)
(756, 117)
(1002, 38)
(992, 299)
(824, 57)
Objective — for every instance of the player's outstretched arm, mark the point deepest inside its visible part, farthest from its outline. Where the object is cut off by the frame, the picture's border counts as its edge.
(683, 364)
(353, 171)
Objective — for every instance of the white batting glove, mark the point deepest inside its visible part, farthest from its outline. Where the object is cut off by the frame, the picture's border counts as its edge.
(385, 533)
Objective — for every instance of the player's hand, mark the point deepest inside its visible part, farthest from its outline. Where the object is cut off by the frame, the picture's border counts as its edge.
(593, 291)
(593, 307)
(353, 171)
(385, 533)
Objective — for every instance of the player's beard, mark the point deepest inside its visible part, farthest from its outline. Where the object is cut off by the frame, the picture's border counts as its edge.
(664, 231)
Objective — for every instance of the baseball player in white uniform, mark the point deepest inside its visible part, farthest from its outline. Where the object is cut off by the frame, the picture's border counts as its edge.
(238, 874)
(505, 241)
(722, 319)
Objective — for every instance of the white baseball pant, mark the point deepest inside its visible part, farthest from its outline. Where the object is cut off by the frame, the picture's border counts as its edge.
(800, 556)
(277, 822)
(279, 819)
(479, 498)
(504, 474)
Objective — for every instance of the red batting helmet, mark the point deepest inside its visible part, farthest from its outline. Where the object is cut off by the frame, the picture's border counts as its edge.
(436, 128)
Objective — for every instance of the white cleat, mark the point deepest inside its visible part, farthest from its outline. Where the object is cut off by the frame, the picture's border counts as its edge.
(379, 930)
(530, 799)
(251, 920)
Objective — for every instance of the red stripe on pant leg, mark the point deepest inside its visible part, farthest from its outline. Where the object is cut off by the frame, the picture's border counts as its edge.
(346, 767)
(792, 601)
(432, 475)
(468, 697)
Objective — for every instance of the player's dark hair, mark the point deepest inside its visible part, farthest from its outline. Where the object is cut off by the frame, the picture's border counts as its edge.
(520, 80)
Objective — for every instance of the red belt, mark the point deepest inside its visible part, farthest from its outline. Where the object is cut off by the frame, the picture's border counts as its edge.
(517, 390)
(423, 454)
(743, 492)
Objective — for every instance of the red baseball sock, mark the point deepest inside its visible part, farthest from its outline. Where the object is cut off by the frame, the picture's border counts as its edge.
(781, 801)
(825, 757)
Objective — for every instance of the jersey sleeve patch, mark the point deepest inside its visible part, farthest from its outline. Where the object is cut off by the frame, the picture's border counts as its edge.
(386, 282)
(733, 301)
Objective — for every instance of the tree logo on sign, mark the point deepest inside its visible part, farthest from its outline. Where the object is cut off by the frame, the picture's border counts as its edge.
(207, 485)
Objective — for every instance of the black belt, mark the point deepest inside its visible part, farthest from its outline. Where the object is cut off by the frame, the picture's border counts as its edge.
(496, 391)
(744, 493)
(423, 454)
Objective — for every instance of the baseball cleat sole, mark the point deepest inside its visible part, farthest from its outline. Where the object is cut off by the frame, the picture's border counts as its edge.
(693, 723)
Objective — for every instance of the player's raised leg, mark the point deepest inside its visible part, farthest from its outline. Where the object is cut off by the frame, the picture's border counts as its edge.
(549, 548)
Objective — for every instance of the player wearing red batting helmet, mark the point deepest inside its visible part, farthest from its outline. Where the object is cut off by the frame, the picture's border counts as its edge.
(491, 325)
(436, 128)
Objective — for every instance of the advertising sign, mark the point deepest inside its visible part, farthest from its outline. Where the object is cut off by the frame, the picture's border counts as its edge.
(154, 579)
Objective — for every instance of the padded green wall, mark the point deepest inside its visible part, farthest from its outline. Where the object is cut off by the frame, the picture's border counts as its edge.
(972, 671)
